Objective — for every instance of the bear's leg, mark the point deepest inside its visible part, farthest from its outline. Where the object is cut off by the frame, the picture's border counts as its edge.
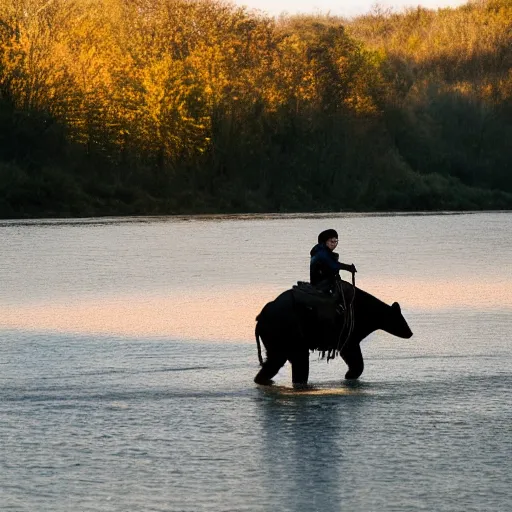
(354, 358)
(300, 367)
(269, 369)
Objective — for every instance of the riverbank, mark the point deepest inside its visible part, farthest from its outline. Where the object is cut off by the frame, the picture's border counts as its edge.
(60, 195)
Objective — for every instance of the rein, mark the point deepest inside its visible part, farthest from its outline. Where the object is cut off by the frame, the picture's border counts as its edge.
(348, 318)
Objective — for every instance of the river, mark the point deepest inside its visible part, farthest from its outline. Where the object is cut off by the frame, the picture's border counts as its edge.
(127, 355)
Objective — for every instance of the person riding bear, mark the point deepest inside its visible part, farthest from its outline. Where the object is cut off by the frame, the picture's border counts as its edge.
(324, 276)
(324, 266)
(324, 293)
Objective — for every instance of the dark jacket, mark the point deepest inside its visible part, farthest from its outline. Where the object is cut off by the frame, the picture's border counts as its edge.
(324, 267)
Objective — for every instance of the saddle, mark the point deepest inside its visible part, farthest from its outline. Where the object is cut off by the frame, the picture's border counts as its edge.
(325, 304)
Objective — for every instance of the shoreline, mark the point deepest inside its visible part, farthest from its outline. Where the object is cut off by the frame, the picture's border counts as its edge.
(235, 216)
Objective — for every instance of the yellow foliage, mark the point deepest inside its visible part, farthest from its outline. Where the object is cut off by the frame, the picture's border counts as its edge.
(151, 75)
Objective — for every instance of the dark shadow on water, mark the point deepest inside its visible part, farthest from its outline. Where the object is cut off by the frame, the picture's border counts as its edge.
(304, 434)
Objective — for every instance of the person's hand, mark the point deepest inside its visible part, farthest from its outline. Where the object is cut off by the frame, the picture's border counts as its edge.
(353, 268)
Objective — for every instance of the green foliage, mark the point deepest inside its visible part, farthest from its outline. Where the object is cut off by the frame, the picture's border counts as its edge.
(168, 106)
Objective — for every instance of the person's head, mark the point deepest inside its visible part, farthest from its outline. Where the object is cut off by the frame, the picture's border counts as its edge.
(329, 237)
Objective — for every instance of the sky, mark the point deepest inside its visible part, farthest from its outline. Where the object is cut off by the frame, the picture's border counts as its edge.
(345, 8)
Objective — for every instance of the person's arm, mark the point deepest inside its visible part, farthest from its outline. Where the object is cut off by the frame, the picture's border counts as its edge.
(349, 268)
(336, 265)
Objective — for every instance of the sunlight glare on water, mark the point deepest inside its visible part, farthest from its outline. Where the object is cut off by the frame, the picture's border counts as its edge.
(156, 278)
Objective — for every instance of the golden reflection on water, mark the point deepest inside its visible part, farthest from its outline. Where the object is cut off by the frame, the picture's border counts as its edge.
(228, 313)
(285, 391)
(225, 315)
(439, 294)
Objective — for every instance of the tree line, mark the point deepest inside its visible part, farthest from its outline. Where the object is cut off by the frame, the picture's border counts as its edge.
(190, 106)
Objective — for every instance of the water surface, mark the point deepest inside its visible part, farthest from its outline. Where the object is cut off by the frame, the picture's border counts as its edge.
(127, 357)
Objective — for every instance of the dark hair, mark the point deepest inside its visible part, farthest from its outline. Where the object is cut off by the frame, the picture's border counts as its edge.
(325, 235)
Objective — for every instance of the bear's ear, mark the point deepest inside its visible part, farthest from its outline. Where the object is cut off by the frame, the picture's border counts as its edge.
(396, 306)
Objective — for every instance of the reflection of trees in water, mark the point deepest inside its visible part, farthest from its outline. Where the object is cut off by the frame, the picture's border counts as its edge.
(303, 449)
